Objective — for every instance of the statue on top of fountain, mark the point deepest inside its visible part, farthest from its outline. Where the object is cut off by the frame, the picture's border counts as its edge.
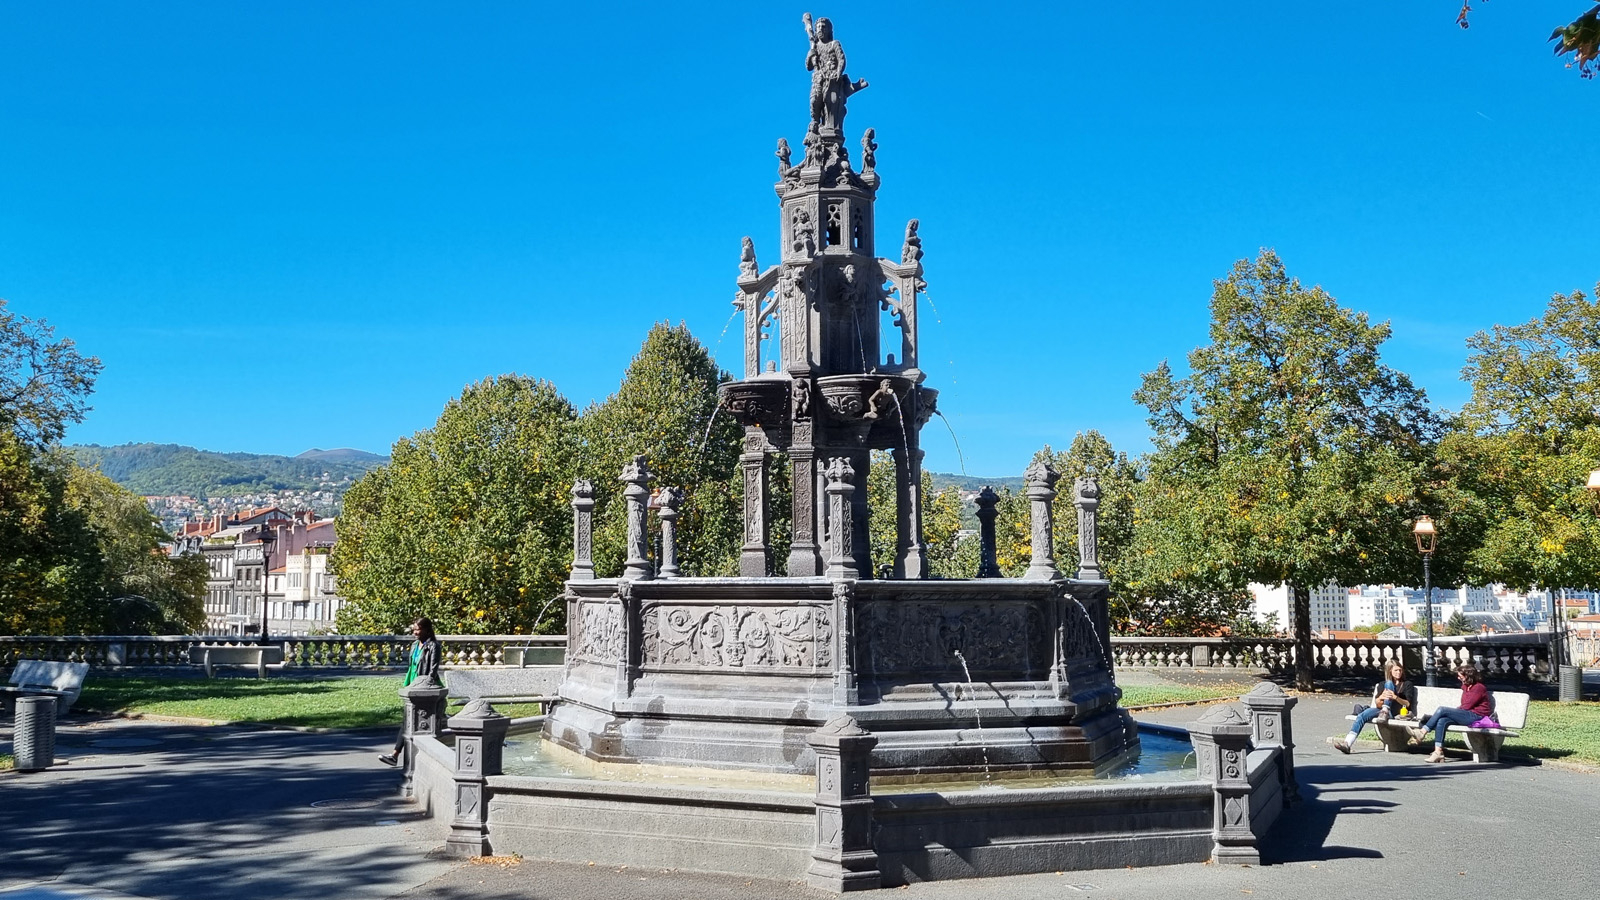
(830, 86)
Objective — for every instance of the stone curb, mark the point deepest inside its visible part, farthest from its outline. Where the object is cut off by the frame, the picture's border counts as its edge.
(261, 726)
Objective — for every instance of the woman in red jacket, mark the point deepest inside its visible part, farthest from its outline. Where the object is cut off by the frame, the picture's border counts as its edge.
(1476, 703)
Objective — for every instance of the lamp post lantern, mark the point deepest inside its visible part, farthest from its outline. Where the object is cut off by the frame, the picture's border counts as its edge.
(1427, 536)
(266, 568)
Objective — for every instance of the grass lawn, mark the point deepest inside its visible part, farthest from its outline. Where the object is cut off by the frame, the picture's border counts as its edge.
(1564, 731)
(1144, 695)
(350, 702)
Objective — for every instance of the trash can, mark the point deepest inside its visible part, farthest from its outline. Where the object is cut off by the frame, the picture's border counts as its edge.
(1570, 684)
(33, 736)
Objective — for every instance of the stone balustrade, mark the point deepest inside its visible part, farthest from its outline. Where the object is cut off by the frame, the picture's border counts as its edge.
(1499, 656)
(343, 651)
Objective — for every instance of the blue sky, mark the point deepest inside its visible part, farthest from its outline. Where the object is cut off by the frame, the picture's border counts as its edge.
(293, 225)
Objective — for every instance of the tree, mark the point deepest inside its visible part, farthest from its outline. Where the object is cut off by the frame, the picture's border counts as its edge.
(1457, 625)
(941, 521)
(469, 523)
(84, 555)
(1290, 453)
(1580, 37)
(666, 409)
(1523, 445)
(44, 382)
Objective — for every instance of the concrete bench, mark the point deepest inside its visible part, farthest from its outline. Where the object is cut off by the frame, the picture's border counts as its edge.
(1509, 707)
(258, 656)
(36, 677)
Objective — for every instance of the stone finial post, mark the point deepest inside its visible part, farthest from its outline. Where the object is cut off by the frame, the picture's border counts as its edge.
(1086, 497)
(1221, 747)
(424, 702)
(670, 499)
(1041, 489)
(1271, 726)
(480, 734)
(845, 691)
(582, 531)
(844, 858)
(988, 566)
(841, 551)
(636, 477)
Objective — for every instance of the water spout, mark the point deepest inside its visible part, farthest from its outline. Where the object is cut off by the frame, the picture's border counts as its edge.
(983, 743)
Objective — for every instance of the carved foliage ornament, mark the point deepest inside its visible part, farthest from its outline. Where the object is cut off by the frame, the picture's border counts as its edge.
(922, 637)
(737, 637)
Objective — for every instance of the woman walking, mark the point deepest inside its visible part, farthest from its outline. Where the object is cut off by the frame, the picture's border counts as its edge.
(424, 664)
(1393, 696)
(1476, 703)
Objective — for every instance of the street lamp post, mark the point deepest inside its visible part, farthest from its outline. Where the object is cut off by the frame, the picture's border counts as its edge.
(266, 567)
(1426, 537)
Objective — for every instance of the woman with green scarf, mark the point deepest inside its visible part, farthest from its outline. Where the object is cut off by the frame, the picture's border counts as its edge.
(424, 664)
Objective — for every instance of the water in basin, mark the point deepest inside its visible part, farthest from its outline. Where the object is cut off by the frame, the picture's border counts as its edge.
(1162, 757)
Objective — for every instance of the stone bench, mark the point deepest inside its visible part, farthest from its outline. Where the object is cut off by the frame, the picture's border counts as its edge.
(1511, 708)
(257, 656)
(42, 678)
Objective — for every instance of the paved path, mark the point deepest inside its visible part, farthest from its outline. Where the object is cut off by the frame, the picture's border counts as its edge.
(185, 813)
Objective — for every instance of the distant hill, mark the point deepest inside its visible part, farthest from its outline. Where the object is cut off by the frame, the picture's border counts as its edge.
(942, 480)
(175, 469)
(345, 454)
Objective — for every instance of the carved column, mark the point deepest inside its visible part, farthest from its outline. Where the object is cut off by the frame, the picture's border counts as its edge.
(1041, 490)
(636, 478)
(582, 531)
(841, 513)
(910, 551)
(988, 566)
(755, 556)
(671, 499)
(1271, 726)
(424, 701)
(860, 535)
(1086, 497)
(480, 734)
(804, 558)
(1221, 747)
(845, 692)
(844, 858)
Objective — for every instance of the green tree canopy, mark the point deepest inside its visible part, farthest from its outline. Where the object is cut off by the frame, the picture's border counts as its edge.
(1289, 453)
(469, 523)
(44, 382)
(666, 409)
(1524, 445)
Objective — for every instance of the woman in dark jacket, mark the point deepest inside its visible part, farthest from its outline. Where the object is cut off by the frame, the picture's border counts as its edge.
(1392, 695)
(1476, 703)
(424, 664)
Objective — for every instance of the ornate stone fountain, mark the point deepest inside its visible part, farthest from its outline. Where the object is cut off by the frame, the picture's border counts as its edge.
(700, 702)
(984, 675)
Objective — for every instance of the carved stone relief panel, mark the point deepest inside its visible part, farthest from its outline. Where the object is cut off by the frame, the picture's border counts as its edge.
(599, 637)
(737, 637)
(922, 637)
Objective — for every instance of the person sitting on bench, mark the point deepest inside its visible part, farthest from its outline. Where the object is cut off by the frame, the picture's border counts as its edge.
(1396, 696)
(1476, 704)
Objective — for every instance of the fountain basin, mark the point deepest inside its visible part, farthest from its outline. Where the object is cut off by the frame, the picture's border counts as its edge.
(766, 826)
(736, 673)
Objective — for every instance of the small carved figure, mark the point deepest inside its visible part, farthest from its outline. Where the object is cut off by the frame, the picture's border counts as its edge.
(747, 259)
(830, 86)
(783, 159)
(869, 150)
(911, 252)
(802, 398)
